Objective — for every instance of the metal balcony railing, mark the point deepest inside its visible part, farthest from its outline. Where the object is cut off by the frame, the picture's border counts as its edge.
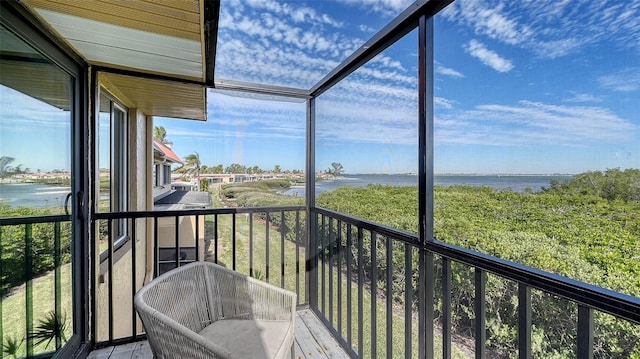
(31, 247)
(367, 284)
(389, 274)
(266, 243)
(378, 290)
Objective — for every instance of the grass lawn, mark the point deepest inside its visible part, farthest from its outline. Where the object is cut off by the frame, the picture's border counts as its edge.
(259, 248)
(14, 309)
(225, 251)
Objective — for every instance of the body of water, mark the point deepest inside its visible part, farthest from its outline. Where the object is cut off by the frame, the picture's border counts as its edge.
(33, 195)
(47, 196)
(518, 183)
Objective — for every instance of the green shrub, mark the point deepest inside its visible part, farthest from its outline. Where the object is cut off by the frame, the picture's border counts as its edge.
(581, 236)
(591, 236)
(13, 251)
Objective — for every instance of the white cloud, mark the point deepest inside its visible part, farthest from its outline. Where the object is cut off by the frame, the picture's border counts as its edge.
(447, 71)
(626, 80)
(365, 28)
(551, 28)
(558, 48)
(30, 114)
(583, 97)
(443, 102)
(281, 44)
(297, 14)
(488, 57)
(534, 123)
(384, 7)
(488, 21)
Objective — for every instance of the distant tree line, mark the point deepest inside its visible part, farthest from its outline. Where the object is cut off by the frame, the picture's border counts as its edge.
(234, 168)
(612, 184)
(7, 171)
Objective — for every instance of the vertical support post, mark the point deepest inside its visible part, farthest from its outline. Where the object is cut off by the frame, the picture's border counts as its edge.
(323, 260)
(57, 278)
(197, 238)
(177, 239)
(339, 274)
(524, 321)
(156, 247)
(251, 274)
(480, 309)
(266, 245)
(389, 304)
(374, 295)
(297, 239)
(446, 308)
(311, 252)
(1, 270)
(93, 262)
(134, 329)
(360, 293)
(349, 286)
(425, 186)
(110, 275)
(233, 241)
(283, 229)
(585, 332)
(408, 300)
(330, 247)
(28, 288)
(215, 238)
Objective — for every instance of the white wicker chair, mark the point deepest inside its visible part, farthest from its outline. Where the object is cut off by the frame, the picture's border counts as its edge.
(203, 310)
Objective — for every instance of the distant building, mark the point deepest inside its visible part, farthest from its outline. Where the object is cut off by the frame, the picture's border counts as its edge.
(163, 159)
(176, 196)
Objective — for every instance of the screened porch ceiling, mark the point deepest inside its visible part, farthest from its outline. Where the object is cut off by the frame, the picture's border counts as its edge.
(194, 43)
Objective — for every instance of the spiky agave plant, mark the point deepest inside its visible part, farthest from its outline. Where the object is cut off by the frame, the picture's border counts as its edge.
(257, 274)
(52, 326)
(11, 346)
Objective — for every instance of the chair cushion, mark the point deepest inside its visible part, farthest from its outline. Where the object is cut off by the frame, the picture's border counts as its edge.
(248, 338)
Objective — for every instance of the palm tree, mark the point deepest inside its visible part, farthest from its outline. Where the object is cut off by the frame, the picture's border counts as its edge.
(193, 166)
(10, 346)
(218, 169)
(160, 134)
(50, 328)
(4, 162)
(336, 169)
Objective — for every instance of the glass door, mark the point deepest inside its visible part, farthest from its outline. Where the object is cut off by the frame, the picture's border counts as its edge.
(39, 197)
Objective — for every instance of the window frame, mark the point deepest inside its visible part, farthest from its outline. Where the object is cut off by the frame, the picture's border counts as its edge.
(166, 174)
(23, 23)
(118, 170)
(156, 175)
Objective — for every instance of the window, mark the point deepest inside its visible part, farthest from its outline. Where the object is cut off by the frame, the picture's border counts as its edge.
(157, 176)
(166, 174)
(112, 142)
(37, 174)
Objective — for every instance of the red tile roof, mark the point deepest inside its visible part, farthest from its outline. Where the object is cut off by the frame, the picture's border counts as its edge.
(166, 151)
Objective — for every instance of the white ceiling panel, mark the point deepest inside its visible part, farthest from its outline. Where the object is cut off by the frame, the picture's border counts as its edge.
(124, 47)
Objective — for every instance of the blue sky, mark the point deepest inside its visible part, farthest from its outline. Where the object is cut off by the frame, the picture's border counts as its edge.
(34, 133)
(520, 87)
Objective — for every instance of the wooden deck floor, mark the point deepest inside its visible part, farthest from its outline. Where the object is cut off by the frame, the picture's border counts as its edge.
(313, 340)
